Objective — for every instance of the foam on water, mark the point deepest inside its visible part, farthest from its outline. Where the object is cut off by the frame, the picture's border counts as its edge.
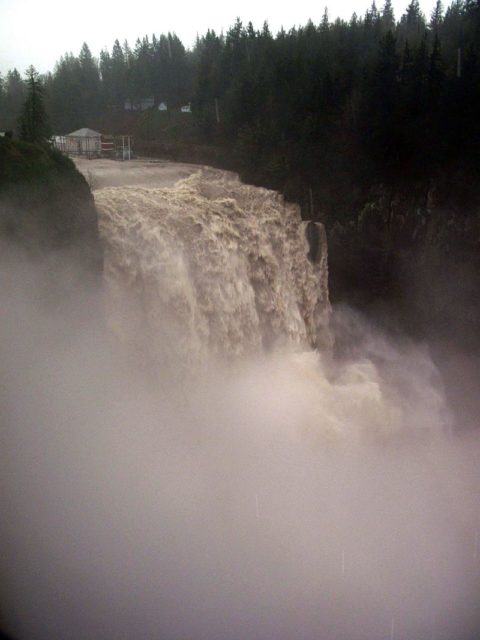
(216, 268)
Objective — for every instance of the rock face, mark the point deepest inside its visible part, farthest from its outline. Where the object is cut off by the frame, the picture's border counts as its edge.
(414, 255)
(45, 203)
(212, 267)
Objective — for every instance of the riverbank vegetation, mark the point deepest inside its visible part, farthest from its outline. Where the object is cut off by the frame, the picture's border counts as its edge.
(46, 204)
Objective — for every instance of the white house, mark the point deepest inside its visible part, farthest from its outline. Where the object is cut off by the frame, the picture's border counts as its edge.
(186, 108)
(83, 142)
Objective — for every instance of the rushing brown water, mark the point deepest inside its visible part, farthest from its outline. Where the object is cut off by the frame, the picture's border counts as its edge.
(218, 269)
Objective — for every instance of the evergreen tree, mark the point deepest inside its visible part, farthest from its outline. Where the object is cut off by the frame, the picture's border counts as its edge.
(380, 122)
(325, 24)
(453, 29)
(2, 97)
(207, 81)
(13, 99)
(89, 78)
(119, 72)
(388, 18)
(436, 17)
(66, 97)
(412, 24)
(105, 68)
(34, 126)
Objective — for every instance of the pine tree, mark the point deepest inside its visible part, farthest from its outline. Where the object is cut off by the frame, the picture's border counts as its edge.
(2, 94)
(436, 17)
(13, 99)
(412, 24)
(34, 125)
(380, 121)
(374, 12)
(90, 83)
(66, 96)
(388, 18)
(105, 67)
(325, 24)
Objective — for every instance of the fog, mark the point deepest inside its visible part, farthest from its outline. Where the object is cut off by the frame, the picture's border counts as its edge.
(290, 495)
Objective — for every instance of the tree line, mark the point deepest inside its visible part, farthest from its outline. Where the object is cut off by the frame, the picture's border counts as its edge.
(307, 110)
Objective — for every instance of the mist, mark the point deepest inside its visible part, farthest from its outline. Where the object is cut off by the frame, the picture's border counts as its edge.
(296, 494)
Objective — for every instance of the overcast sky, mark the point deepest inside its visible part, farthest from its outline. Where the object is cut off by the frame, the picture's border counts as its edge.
(38, 32)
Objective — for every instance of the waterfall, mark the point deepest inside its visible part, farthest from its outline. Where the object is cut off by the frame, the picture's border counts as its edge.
(212, 267)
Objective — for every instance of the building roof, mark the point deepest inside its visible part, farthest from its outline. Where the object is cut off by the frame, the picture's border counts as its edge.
(84, 133)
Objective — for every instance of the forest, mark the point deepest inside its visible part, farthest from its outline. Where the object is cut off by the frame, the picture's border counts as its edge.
(370, 124)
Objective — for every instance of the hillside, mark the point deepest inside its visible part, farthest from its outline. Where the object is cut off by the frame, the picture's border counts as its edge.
(45, 203)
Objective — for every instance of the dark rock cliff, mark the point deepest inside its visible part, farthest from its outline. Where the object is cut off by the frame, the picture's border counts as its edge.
(46, 204)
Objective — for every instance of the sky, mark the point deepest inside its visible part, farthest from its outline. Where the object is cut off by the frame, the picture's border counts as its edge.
(39, 32)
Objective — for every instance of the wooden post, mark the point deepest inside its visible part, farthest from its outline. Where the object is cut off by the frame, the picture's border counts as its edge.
(217, 110)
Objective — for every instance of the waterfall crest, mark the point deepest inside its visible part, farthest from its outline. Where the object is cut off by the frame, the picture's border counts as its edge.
(212, 267)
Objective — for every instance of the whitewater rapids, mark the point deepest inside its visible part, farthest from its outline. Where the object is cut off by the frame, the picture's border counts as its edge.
(215, 267)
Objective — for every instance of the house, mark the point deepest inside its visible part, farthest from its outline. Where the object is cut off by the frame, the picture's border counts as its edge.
(162, 106)
(186, 108)
(140, 105)
(83, 142)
